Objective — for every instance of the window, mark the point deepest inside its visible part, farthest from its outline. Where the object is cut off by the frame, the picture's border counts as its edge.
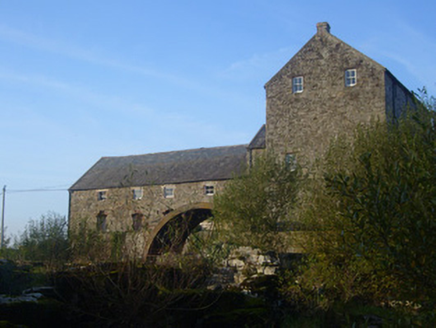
(209, 190)
(350, 77)
(291, 161)
(297, 84)
(168, 192)
(137, 193)
(101, 195)
(137, 221)
(102, 221)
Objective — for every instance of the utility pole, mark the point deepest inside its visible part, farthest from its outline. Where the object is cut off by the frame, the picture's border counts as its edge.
(3, 218)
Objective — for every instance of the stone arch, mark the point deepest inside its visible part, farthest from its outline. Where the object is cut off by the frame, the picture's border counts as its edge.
(174, 228)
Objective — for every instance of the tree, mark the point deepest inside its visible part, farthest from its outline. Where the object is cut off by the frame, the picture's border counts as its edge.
(255, 207)
(374, 211)
(45, 239)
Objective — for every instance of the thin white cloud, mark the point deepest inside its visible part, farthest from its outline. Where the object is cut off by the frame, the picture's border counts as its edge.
(155, 120)
(258, 64)
(423, 71)
(408, 48)
(68, 50)
(102, 101)
(420, 54)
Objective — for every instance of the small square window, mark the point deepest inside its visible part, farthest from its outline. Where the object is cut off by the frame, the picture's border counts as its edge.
(137, 193)
(101, 195)
(168, 192)
(297, 84)
(209, 190)
(350, 77)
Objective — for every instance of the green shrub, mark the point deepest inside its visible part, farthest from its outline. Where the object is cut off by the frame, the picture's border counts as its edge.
(374, 211)
(254, 208)
(45, 240)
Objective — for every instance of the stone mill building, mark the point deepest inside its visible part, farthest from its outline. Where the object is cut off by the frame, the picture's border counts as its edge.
(326, 88)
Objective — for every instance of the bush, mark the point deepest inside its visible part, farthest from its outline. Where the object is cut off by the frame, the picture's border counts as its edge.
(255, 207)
(45, 240)
(374, 211)
(134, 294)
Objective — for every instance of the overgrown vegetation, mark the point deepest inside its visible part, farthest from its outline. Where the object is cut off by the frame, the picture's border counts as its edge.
(255, 207)
(372, 205)
(366, 214)
(44, 240)
(129, 294)
(369, 205)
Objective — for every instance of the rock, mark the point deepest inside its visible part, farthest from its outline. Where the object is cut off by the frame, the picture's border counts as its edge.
(239, 264)
(47, 291)
(270, 270)
(34, 297)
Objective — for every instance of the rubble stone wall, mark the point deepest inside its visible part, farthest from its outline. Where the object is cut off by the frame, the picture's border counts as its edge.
(119, 205)
(304, 123)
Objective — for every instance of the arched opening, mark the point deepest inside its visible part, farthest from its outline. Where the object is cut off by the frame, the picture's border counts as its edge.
(171, 233)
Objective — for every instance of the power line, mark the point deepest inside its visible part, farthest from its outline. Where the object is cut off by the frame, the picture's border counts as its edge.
(34, 190)
(11, 191)
(41, 189)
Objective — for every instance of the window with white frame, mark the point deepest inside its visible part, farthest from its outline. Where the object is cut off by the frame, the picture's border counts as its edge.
(297, 84)
(168, 192)
(137, 193)
(101, 195)
(209, 190)
(350, 77)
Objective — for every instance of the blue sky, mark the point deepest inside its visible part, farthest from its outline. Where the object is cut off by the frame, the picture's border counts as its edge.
(84, 79)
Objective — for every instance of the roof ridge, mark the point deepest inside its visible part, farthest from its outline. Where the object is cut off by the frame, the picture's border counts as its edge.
(199, 164)
(175, 151)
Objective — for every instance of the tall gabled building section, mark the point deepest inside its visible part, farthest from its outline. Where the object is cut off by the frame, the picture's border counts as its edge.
(327, 88)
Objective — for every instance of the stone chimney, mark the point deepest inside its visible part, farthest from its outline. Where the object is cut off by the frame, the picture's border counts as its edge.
(323, 28)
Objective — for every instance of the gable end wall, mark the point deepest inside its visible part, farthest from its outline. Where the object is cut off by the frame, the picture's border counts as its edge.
(303, 123)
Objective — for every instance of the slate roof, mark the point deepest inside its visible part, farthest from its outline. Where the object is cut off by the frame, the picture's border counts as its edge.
(203, 164)
(258, 141)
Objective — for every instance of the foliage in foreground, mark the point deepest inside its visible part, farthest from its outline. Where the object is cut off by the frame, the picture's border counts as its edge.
(374, 211)
(173, 294)
(45, 240)
(254, 208)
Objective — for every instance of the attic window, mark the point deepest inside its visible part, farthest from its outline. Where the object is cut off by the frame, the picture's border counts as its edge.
(209, 190)
(168, 192)
(137, 193)
(297, 84)
(101, 195)
(350, 77)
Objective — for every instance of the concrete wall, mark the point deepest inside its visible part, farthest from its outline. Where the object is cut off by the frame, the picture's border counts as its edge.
(304, 123)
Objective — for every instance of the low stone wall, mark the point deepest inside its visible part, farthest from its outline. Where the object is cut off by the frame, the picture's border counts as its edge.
(248, 262)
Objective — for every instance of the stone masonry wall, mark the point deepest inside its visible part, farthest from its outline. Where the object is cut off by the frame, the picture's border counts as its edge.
(398, 98)
(304, 123)
(120, 205)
